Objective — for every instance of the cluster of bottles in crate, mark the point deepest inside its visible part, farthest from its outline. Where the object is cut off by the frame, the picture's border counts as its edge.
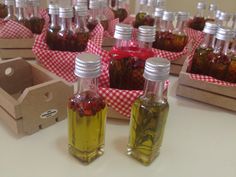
(216, 56)
(70, 27)
(214, 14)
(26, 12)
(168, 37)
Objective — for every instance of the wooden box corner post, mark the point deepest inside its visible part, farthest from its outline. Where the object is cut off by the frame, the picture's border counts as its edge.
(31, 98)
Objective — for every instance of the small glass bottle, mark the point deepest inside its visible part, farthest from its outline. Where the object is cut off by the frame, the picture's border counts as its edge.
(81, 30)
(158, 18)
(161, 4)
(54, 27)
(3, 9)
(66, 38)
(218, 12)
(149, 113)
(224, 19)
(211, 12)
(233, 26)
(220, 58)
(198, 21)
(93, 19)
(102, 16)
(200, 62)
(165, 38)
(120, 56)
(121, 12)
(140, 16)
(21, 17)
(36, 21)
(10, 10)
(87, 111)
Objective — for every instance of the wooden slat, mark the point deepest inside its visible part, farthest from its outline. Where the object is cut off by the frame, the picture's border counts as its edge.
(175, 69)
(114, 114)
(17, 43)
(13, 53)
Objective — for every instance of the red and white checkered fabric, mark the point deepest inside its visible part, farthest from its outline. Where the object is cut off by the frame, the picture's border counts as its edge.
(62, 63)
(12, 29)
(129, 20)
(111, 28)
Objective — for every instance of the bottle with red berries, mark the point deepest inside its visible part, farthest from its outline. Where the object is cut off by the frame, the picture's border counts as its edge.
(35, 19)
(200, 61)
(87, 111)
(140, 16)
(224, 19)
(54, 27)
(121, 10)
(180, 38)
(103, 18)
(3, 9)
(198, 21)
(212, 12)
(93, 19)
(220, 58)
(21, 16)
(66, 37)
(10, 10)
(81, 30)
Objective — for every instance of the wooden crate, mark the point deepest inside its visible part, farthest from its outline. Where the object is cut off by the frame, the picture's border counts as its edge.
(108, 43)
(221, 96)
(31, 98)
(12, 48)
(176, 66)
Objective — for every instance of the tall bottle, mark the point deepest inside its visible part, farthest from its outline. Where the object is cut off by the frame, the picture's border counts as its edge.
(81, 30)
(66, 38)
(10, 10)
(120, 56)
(103, 18)
(3, 9)
(21, 16)
(198, 21)
(54, 27)
(93, 19)
(161, 4)
(142, 12)
(158, 19)
(36, 21)
(120, 10)
(200, 62)
(180, 38)
(87, 111)
(224, 19)
(212, 12)
(149, 113)
(233, 26)
(220, 58)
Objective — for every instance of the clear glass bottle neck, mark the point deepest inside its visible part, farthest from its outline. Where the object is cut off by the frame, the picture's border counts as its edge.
(81, 24)
(222, 47)
(66, 24)
(54, 21)
(209, 41)
(155, 90)
(94, 13)
(224, 23)
(87, 84)
(167, 26)
(35, 11)
(158, 23)
(200, 13)
(10, 10)
(20, 13)
(145, 45)
(142, 8)
(180, 27)
(121, 43)
(212, 15)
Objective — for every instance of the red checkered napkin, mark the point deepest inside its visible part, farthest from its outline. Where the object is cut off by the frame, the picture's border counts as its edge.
(2, 23)
(63, 63)
(129, 20)
(111, 28)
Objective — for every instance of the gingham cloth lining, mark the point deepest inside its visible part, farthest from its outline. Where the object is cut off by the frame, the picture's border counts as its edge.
(12, 29)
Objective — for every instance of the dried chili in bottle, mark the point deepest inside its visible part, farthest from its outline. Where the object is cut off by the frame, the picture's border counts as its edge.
(3, 10)
(120, 10)
(10, 10)
(198, 21)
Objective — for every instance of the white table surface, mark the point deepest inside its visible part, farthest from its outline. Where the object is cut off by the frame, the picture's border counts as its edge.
(199, 141)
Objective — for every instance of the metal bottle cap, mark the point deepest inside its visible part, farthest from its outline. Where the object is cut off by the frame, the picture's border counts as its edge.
(224, 16)
(212, 7)
(201, 6)
(53, 9)
(146, 33)
(82, 3)
(168, 16)
(123, 31)
(210, 28)
(218, 12)
(224, 33)
(159, 12)
(94, 4)
(9, 2)
(87, 65)
(20, 3)
(142, 2)
(81, 10)
(156, 69)
(182, 16)
(34, 3)
(103, 4)
(65, 12)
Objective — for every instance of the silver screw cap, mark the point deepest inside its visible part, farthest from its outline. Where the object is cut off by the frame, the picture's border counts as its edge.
(168, 16)
(146, 33)
(142, 2)
(182, 16)
(156, 69)
(210, 28)
(81, 10)
(87, 65)
(9, 2)
(224, 16)
(123, 31)
(224, 33)
(53, 9)
(159, 12)
(20, 3)
(66, 12)
(94, 4)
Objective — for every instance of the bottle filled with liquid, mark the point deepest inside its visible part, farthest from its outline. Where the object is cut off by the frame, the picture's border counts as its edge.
(81, 30)
(36, 21)
(220, 58)
(21, 13)
(149, 113)
(180, 38)
(10, 10)
(103, 18)
(212, 9)
(93, 19)
(224, 19)
(198, 21)
(66, 37)
(54, 27)
(87, 111)
(200, 62)
(3, 9)
(158, 19)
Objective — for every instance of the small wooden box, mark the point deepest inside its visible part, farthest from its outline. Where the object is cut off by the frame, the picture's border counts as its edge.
(31, 98)
(12, 48)
(108, 43)
(221, 96)
(176, 66)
